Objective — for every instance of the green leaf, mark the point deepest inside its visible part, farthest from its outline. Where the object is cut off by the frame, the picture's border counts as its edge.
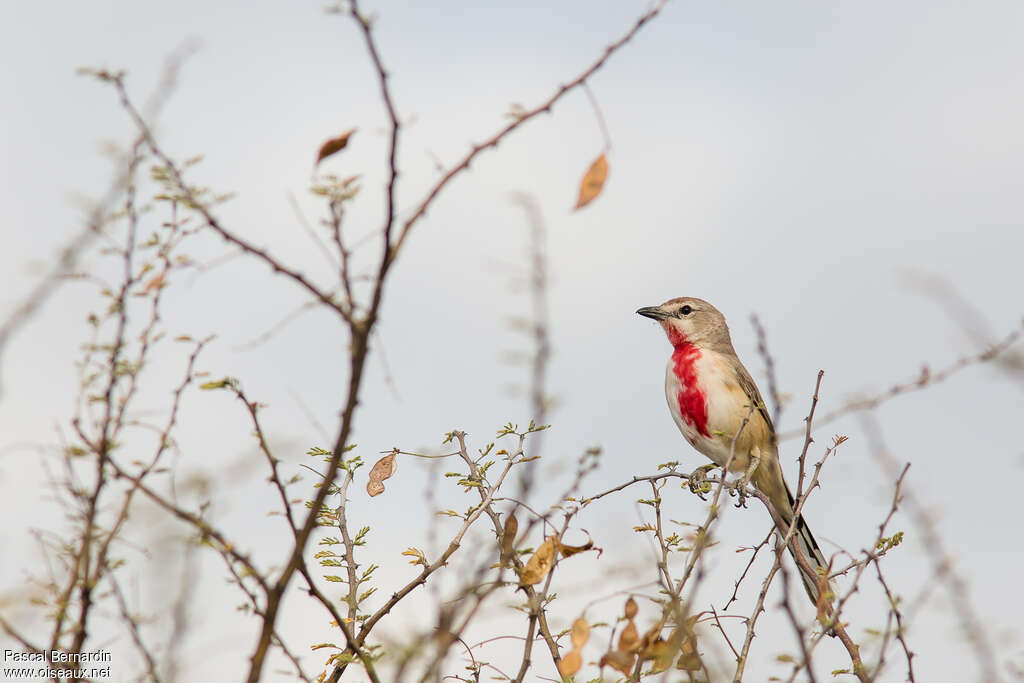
(219, 384)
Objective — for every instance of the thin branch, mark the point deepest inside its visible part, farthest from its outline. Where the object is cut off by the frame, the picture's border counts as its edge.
(133, 630)
(522, 118)
(900, 629)
(756, 549)
(211, 221)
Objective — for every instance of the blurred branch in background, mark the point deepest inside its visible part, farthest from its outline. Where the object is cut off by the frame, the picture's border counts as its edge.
(100, 215)
(996, 352)
(962, 311)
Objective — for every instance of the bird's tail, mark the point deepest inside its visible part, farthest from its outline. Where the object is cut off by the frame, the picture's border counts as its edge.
(803, 540)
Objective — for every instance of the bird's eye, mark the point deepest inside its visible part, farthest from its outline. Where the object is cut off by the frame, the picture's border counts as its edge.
(686, 310)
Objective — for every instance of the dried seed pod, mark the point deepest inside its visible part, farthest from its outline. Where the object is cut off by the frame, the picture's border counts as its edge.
(580, 633)
(629, 639)
(540, 564)
(508, 538)
(381, 470)
(570, 663)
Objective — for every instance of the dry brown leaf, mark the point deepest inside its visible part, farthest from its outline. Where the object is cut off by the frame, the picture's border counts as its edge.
(620, 661)
(593, 181)
(580, 633)
(334, 145)
(629, 639)
(508, 538)
(540, 564)
(631, 608)
(381, 470)
(570, 664)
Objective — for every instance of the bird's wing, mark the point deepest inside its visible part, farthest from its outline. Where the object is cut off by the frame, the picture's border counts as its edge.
(746, 383)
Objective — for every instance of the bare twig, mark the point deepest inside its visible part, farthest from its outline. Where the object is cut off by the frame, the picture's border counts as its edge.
(753, 556)
(522, 118)
(900, 631)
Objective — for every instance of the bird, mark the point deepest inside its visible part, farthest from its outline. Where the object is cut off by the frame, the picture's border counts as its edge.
(710, 395)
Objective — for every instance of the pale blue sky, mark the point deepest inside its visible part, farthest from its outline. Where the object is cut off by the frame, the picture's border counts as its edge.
(791, 159)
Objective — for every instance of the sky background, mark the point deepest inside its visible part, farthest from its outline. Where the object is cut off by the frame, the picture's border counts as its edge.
(851, 172)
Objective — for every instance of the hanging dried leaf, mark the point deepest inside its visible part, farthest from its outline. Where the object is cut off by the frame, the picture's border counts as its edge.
(334, 145)
(593, 181)
(570, 664)
(580, 633)
(508, 538)
(629, 639)
(631, 608)
(620, 661)
(540, 564)
(382, 469)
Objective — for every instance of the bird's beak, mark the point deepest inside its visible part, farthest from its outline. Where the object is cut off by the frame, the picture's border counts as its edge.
(652, 312)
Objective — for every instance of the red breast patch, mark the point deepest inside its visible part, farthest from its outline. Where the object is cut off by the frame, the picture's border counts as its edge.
(692, 402)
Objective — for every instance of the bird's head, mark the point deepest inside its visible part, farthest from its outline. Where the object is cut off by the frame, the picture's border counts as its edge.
(687, 320)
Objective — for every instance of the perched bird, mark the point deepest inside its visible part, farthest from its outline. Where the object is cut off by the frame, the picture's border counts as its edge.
(710, 394)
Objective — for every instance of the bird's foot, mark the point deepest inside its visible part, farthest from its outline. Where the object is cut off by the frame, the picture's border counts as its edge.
(739, 487)
(698, 480)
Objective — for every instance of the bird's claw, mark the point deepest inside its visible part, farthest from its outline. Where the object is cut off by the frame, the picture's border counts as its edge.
(738, 488)
(698, 480)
